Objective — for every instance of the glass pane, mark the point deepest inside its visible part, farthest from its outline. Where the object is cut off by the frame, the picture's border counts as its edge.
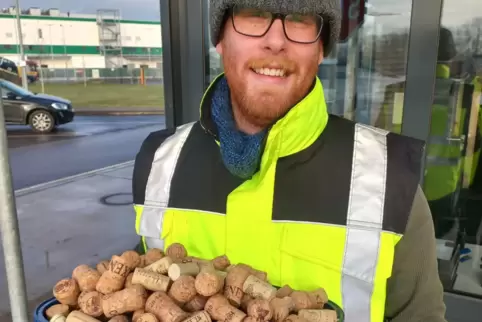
(453, 177)
(364, 77)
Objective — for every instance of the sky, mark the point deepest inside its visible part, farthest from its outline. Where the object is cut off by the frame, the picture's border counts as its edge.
(455, 12)
(130, 9)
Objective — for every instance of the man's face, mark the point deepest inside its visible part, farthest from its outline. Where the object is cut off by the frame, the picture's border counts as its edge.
(267, 75)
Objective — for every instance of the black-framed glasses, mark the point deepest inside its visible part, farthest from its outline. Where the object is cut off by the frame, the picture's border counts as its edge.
(299, 28)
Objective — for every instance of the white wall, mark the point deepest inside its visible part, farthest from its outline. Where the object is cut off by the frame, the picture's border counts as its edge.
(141, 35)
(53, 32)
(71, 32)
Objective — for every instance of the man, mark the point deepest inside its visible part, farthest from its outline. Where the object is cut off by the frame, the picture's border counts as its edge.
(268, 178)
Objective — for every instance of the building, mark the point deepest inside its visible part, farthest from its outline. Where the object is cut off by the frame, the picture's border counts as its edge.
(59, 40)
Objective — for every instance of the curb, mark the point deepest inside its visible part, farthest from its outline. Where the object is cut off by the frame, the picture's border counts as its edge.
(62, 181)
(106, 112)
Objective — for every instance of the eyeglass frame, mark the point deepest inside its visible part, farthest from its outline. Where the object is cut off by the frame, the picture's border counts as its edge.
(282, 17)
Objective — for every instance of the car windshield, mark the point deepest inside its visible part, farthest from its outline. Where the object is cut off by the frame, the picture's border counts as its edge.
(17, 90)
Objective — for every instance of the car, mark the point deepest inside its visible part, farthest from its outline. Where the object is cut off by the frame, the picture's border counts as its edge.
(42, 112)
(8, 65)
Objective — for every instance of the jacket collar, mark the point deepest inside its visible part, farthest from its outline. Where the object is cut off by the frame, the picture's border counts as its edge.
(294, 132)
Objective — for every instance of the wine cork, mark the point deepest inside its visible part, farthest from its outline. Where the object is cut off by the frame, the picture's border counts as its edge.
(282, 308)
(119, 318)
(176, 251)
(259, 274)
(318, 315)
(294, 318)
(113, 279)
(209, 283)
(258, 288)
(233, 285)
(127, 300)
(221, 262)
(128, 282)
(201, 316)
(259, 309)
(164, 308)
(177, 270)
(219, 309)
(90, 303)
(286, 290)
(86, 277)
(319, 298)
(58, 318)
(119, 265)
(251, 319)
(77, 316)
(152, 256)
(196, 304)
(183, 289)
(137, 314)
(146, 317)
(303, 300)
(161, 266)
(244, 302)
(102, 266)
(132, 258)
(57, 309)
(150, 280)
(67, 291)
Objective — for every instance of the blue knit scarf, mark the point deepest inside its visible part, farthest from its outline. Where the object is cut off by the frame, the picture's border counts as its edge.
(241, 153)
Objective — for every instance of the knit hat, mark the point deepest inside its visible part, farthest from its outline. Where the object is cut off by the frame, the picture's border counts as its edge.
(330, 10)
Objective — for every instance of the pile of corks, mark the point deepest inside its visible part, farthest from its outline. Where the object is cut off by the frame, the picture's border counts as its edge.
(175, 287)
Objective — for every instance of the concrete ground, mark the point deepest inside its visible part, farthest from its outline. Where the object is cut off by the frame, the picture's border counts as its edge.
(78, 220)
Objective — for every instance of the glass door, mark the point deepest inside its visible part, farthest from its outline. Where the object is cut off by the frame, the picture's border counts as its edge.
(453, 168)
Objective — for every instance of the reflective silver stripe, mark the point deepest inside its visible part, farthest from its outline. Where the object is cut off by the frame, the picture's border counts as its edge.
(449, 162)
(364, 221)
(159, 182)
(154, 243)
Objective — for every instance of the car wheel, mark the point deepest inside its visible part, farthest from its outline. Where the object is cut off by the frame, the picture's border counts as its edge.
(42, 121)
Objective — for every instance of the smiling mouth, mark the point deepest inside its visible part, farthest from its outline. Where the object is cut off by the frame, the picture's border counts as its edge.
(274, 72)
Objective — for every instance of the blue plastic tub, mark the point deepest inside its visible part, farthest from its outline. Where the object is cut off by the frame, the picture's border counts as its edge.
(39, 314)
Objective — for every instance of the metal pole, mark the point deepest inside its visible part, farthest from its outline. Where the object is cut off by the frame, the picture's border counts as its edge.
(12, 250)
(20, 42)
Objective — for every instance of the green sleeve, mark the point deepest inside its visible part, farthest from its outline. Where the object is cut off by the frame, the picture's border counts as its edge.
(414, 291)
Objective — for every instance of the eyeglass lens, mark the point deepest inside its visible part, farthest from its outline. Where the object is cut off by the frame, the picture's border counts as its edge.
(303, 28)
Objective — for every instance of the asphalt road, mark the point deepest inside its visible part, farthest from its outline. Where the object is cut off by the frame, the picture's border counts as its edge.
(88, 143)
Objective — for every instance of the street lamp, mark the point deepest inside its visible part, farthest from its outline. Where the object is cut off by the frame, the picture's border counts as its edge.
(23, 63)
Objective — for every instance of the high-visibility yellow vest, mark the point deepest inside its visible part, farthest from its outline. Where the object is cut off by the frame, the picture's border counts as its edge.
(446, 157)
(326, 209)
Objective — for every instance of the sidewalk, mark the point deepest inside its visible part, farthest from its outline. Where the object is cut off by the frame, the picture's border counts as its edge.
(77, 220)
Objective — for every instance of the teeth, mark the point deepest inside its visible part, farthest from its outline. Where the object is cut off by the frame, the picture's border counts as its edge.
(270, 72)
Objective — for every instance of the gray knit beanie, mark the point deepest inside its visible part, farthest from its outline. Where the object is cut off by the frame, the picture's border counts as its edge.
(328, 9)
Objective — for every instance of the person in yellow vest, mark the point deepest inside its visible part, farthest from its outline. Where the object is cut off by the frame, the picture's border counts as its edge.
(450, 169)
(269, 178)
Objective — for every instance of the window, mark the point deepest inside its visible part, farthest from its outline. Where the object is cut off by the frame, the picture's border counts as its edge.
(453, 172)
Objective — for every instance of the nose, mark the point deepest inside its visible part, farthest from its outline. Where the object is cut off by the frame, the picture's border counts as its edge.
(275, 38)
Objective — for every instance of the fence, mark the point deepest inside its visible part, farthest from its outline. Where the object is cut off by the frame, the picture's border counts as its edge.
(102, 75)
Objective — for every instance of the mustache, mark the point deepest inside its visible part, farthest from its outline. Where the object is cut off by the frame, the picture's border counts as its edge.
(277, 63)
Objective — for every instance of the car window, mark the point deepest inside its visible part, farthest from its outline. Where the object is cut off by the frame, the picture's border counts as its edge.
(17, 90)
(4, 92)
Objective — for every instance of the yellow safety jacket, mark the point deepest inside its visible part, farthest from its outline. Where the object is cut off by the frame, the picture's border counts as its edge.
(326, 209)
(446, 157)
